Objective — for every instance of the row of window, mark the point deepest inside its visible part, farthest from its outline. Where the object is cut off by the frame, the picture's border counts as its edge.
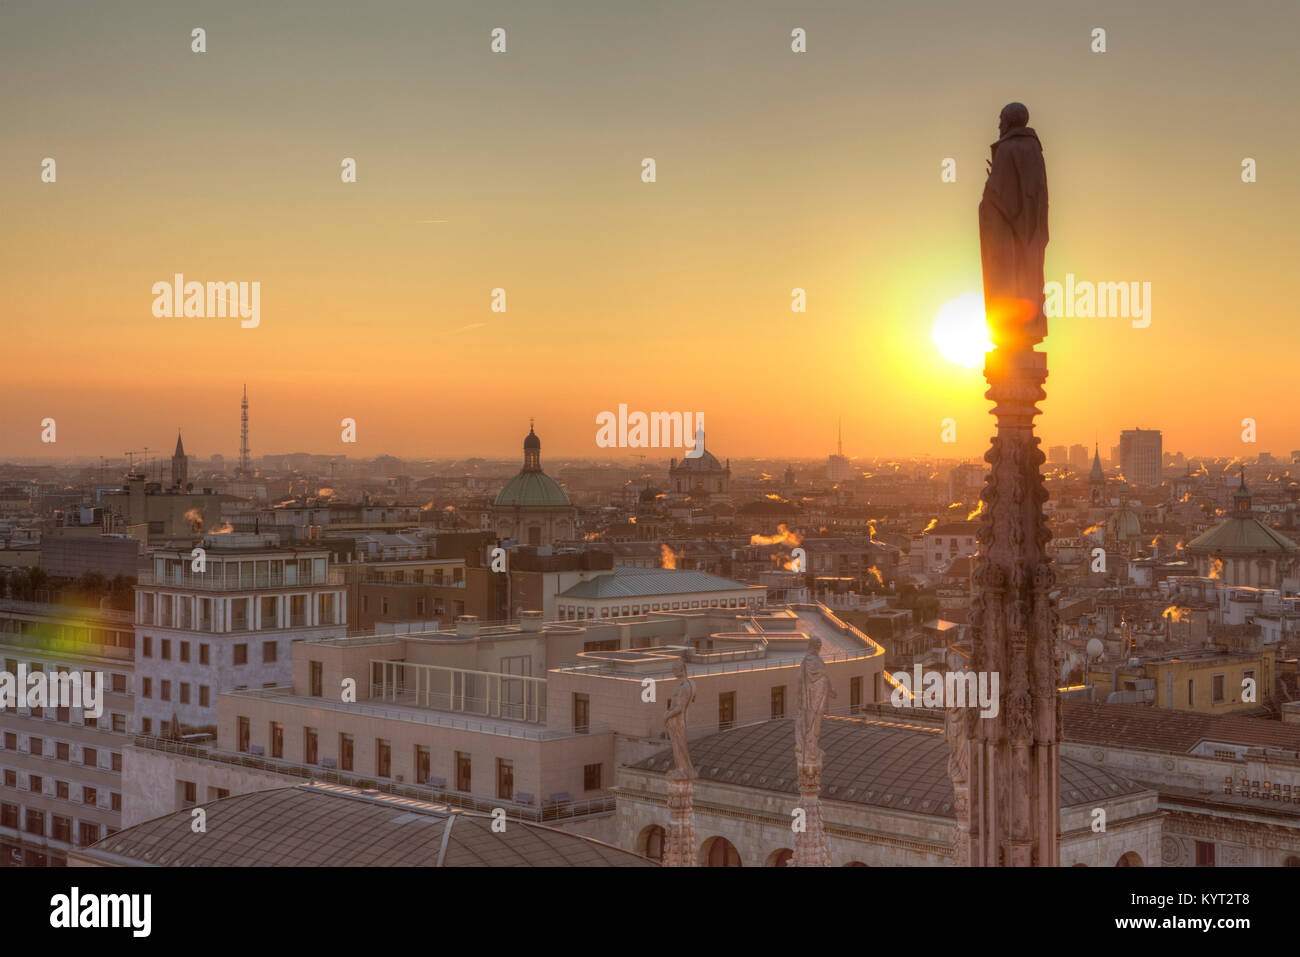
(60, 829)
(422, 759)
(116, 721)
(183, 688)
(62, 751)
(575, 612)
(273, 612)
(239, 651)
(726, 706)
(62, 790)
(117, 683)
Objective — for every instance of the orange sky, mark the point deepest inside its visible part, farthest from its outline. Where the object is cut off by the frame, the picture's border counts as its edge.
(775, 170)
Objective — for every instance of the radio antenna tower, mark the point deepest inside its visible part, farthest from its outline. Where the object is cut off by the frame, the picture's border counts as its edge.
(244, 469)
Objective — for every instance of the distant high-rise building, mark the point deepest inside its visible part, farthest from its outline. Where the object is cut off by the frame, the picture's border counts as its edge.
(180, 465)
(1057, 455)
(1079, 457)
(1140, 456)
(837, 466)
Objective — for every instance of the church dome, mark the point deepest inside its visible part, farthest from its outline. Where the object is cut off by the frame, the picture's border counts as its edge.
(1124, 525)
(1241, 535)
(532, 488)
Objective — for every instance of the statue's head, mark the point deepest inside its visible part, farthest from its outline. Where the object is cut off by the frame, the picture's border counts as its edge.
(679, 668)
(814, 645)
(1014, 116)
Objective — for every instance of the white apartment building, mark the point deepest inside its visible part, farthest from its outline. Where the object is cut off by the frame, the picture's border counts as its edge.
(226, 622)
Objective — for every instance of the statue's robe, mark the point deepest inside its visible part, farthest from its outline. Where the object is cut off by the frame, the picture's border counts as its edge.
(1013, 237)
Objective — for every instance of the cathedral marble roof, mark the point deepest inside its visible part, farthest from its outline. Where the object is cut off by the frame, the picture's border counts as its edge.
(889, 764)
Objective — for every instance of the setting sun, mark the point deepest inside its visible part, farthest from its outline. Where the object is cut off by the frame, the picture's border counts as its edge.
(960, 330)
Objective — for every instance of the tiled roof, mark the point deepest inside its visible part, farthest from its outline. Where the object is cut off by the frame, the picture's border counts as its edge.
(326, 826)
(882, 763)
(647, 582)
(1160, 729)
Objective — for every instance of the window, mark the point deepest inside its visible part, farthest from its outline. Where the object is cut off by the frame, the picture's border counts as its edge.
(90, 757)
(146, 688)
(1191, 693)
(9, 815)
(119, 724)
(310, 747)
(345, 752)
(62, 830)
(89, 796)
(62, 714)
(61, 789)
(147, 647)
(204, 655)
(146, 726)
(87, 834)
(855, 694)
(115, 801)
(11, 779)
(167, 649)
(35, 784)
(726, 710)
(205, 698)
(185, 692)
(268, 652)
(505, 779)
(36, 744)
(119, 684)
(581, 713)
(317, 679)
(383, 758)
(1216, 689)
(277, 739)
(778, 701)
(61, 751)
(591, 777)
(191, 792)
(117, 761)
(185, 651)
(462, 771)
(166, 693)
(1204, 853)
(241, 653)
(35, 822)
(11, 741)
(243, 734)
(423, 770)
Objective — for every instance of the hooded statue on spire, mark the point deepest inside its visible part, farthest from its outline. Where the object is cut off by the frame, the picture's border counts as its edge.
(1013, 233)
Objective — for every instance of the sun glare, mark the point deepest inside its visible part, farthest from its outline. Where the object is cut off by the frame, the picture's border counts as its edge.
(961, 332)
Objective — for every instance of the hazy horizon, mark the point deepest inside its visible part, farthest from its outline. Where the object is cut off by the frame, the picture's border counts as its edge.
(521, 171)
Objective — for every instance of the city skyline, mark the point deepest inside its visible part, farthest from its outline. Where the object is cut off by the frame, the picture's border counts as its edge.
(775, 172)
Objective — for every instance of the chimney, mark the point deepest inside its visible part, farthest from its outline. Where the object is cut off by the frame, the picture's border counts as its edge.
(467, 626)
(530, 621)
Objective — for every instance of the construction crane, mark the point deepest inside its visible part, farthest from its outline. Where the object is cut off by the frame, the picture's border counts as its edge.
(132, 453)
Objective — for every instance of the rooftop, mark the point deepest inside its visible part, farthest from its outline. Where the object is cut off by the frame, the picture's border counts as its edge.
(326, 825)
(648, 582)
(1159, 729)
(890, 764)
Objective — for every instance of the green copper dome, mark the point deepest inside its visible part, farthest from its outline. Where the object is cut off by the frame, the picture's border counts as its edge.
(532, 488)
(536, 489)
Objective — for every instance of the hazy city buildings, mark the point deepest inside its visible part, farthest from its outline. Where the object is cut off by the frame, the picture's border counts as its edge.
(1141, 457)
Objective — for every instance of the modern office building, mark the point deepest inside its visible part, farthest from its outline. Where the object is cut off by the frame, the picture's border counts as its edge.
(1141, 457)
